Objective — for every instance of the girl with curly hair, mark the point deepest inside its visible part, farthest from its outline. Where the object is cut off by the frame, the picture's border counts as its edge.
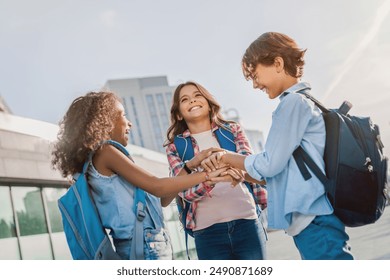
(91, 120)
(225, 220)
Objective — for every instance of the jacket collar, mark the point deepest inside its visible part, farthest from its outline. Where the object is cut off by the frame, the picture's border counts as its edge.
(295, 88)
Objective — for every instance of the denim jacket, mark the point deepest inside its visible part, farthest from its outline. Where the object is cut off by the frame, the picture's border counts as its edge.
(296, 121)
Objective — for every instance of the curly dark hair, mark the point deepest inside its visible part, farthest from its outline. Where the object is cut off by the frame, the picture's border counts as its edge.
(267, 47)
(179, 126)
(88, 121)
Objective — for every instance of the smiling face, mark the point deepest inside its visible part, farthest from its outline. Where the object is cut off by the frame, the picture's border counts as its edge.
(269, 78)
(192, 104)
(121, 126)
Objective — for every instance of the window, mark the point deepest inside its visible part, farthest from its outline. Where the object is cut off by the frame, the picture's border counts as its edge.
(157, 134)
(138, 126)
(7, 224)
(58, 239)
(168, 98)
(163, 111)
(51, 196)
(30, 216)
(29, 210)
(8, 240)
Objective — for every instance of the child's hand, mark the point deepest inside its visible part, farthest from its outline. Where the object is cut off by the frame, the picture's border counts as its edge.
(196, 161)
(214, 161)
(214, 174)
(233, 175)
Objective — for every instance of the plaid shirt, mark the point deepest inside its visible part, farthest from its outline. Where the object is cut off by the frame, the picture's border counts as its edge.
(198, 192)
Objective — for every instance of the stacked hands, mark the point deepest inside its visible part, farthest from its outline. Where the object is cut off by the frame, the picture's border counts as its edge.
(210, 160)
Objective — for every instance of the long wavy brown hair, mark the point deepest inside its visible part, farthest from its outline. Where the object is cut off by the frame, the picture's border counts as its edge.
(179, 126)
(88, 121)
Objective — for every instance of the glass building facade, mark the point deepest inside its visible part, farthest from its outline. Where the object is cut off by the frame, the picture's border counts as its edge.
(31, 224)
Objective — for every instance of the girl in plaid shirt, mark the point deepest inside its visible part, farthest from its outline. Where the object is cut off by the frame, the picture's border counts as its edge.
(224, 219)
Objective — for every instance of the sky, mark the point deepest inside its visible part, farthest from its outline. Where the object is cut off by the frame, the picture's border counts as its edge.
(53, 51)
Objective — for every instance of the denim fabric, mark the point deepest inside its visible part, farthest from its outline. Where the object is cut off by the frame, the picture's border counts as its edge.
(157, 245)
(324, 239)
(114, 199)
(235, 240)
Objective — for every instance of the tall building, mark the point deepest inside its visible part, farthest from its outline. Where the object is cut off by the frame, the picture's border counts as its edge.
(147, 102)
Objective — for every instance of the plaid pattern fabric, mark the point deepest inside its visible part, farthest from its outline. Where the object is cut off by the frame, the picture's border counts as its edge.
(197, 192)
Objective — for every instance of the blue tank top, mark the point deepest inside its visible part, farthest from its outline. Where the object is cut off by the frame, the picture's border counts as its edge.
(114, 199)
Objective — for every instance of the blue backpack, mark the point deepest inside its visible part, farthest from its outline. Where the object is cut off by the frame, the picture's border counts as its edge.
(87, 239)
(355, 176)
(185, 149)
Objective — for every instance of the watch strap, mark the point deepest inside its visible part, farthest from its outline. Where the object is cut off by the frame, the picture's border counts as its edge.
(189, 171)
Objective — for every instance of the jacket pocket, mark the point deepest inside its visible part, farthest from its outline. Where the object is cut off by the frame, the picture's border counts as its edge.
(157, 245)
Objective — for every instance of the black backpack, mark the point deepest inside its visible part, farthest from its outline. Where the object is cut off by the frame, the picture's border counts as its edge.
(355, 166)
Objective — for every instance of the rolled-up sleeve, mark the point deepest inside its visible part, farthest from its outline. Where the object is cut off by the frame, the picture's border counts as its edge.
(250, 167)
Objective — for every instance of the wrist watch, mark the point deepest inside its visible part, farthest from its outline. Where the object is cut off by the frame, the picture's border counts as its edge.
(186, 168)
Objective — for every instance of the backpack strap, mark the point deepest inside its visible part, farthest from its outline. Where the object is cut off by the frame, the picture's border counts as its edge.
(303, 159)
(225, 139)
(117, 145)
(184, 147)
(318, 103)
(137, 242)
(186, 152)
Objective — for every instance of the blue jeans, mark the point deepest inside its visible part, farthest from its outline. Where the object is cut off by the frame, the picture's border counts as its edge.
(235, 240)
(324, 239)
(157, 246)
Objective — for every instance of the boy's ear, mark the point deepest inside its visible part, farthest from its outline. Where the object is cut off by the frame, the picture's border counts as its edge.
(279, 64)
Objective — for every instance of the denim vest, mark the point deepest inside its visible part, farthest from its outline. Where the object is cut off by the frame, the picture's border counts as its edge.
(114, 199)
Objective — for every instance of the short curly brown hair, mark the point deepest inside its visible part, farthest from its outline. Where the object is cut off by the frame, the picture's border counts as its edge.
(88, 121)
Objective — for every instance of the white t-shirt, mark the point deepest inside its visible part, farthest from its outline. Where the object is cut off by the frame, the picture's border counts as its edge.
(226, 203)
(299, 222)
